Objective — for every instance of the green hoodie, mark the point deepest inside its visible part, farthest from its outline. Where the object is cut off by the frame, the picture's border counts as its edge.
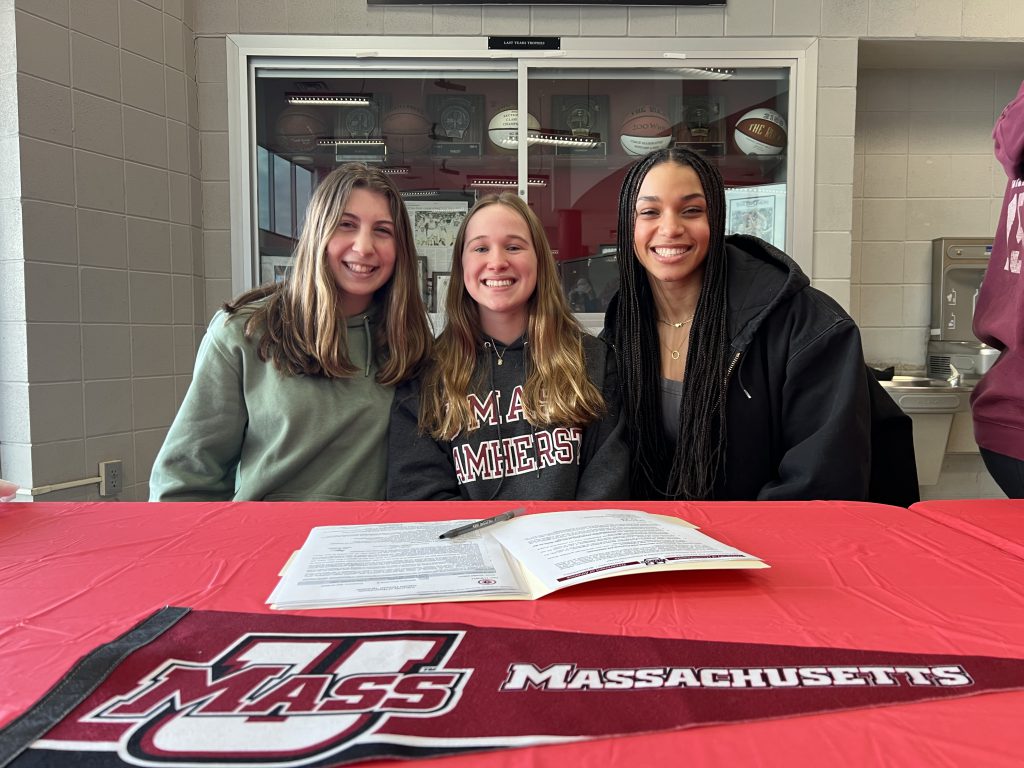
(245, 431)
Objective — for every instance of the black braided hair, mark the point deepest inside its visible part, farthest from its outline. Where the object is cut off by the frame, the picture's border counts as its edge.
(686, 470)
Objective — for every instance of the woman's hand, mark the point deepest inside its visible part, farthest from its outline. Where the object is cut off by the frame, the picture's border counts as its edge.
(8, 490)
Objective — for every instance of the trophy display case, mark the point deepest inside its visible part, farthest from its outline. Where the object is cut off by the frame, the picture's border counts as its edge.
(449, 130)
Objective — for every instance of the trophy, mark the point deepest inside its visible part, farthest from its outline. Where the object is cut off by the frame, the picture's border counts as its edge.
(457, 124)
(359, 129)
(698, 119)
(579, 121)
(581, 117)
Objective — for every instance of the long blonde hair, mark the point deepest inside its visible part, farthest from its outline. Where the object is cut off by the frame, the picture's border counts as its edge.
(557, 389)
(305, 327)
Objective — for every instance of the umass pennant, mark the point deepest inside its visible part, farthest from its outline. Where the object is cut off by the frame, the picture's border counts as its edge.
(233, 689)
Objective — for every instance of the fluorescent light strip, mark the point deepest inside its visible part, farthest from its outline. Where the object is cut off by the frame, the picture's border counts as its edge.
(330, 99)
(705, 73)
(553, 139)
(329, 142)
(506, 181)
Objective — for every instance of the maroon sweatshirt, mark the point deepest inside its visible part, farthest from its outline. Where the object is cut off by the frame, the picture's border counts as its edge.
(998, 400)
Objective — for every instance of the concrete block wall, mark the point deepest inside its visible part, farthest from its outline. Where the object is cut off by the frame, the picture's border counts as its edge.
(923, 169)
(102, 247)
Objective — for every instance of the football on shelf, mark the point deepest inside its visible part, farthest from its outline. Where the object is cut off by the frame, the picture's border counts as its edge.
(298, 129)
(406, 130)
(644, 130)
(761, 131)
(503, 129)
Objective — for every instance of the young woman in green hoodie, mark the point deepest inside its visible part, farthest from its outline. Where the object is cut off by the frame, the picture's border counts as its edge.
(293, 382)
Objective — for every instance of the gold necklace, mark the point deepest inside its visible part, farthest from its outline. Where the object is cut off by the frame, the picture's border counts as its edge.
(499, 355)
(673, 353)
(680, 324)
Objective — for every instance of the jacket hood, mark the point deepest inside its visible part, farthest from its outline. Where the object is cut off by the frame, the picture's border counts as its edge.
(1009, 136)
(760, 279)
(372, 314)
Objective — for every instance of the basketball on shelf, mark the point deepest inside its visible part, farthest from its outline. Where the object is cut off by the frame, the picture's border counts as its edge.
(298, 129)
(406, 130)
(644, 130)
(761, 131)
(503, 130)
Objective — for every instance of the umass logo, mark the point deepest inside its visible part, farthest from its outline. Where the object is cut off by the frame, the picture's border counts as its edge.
(284, 699)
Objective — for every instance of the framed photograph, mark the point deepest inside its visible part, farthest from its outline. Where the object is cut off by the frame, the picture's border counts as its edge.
(435, 223)
(759, 211)
(440, 281)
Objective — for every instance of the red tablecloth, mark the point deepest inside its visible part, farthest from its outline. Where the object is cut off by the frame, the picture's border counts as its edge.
(1000, 522)
(73, 576)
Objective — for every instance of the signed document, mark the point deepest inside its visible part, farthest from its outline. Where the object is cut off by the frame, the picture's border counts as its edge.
(521, 559)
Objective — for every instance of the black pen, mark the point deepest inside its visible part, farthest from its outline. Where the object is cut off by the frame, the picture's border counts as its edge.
(481, 523)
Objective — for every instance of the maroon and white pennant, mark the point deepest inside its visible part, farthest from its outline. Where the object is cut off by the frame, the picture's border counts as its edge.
(215, 688)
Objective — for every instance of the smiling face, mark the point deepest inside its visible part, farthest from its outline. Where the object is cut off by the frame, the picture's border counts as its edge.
(671, 231)
(499, 269)
(361, 252)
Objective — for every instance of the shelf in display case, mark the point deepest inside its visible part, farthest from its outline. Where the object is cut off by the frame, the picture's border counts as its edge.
(750, 169)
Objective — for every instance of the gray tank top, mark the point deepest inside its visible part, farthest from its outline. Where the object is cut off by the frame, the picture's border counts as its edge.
(671, 399)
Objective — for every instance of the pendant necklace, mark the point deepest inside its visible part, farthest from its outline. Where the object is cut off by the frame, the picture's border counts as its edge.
(674, 353)
(500, 355)
(680, 324)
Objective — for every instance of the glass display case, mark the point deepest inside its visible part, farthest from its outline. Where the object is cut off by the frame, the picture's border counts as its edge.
(447, 123)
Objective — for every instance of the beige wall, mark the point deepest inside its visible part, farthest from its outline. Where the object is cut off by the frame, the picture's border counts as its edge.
(114, 251)
(923, 168)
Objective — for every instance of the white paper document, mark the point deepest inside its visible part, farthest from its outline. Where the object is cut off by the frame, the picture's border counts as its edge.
(520, 559)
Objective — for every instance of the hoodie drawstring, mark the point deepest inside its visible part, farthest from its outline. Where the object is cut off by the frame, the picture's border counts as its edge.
(490, 383)
(369, 345)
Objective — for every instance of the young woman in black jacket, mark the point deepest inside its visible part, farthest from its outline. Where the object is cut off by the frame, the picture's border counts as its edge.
(740, 380)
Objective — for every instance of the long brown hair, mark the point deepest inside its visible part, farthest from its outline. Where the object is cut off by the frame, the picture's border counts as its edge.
(688, 469)
(302, 322)
(557, 389)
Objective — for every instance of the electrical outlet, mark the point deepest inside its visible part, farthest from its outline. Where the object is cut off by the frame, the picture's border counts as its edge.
(111, 478)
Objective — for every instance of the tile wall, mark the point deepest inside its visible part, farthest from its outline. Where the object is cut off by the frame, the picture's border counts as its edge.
(923, 168)
(102, 242)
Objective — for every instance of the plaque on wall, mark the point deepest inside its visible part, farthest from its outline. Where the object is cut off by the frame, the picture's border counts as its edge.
(457, 123)
(581, 117)
(357, 132)
(698, 124)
